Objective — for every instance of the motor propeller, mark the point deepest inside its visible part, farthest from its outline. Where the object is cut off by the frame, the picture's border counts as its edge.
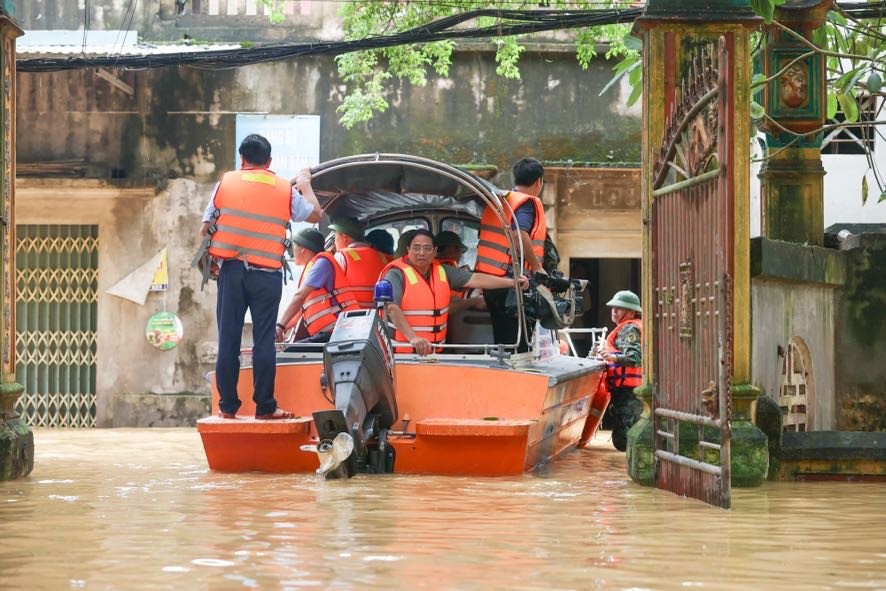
(331, 452)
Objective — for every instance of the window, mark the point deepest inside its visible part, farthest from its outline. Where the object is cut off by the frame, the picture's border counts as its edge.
(396, 228)
(469, 232)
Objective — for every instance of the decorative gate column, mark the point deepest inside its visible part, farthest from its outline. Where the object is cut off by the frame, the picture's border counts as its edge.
(792, 177)
(696, 437)
(16, 439)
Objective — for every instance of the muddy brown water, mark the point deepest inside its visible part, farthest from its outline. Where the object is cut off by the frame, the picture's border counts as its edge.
(134, 509)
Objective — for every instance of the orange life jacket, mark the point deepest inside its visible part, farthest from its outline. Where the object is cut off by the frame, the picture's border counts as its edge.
(454, 293)
(252, 214)
(425, 303)
(620, 376)
(493, 251)
(362, 266)
(321, 308)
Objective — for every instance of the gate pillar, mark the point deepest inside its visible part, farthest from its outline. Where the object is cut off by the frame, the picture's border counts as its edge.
(792, 177)
(16, 439)
(678, 37)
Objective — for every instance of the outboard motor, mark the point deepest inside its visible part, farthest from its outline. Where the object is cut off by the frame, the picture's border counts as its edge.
(359, 369)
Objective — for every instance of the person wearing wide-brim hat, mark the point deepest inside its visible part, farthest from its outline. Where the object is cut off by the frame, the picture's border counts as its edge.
(347, 231)
(623, 355)
(450, 248)
(313, 309)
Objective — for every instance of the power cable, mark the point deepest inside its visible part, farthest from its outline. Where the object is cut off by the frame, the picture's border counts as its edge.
(520, 22)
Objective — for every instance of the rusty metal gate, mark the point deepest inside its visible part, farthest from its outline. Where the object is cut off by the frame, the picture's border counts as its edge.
(692, 246)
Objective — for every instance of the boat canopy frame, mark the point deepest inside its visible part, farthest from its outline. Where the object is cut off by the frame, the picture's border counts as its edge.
(371, 186)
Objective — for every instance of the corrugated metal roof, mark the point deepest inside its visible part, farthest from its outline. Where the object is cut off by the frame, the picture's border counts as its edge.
(103, 43)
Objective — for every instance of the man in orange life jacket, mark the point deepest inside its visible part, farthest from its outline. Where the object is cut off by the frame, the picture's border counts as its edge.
(494, 255)
(361, 262)
(321, 293)
(622, 353)
(421, 292)
(245, 223)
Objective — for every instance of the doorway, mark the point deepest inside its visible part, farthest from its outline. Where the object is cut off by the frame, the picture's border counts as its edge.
(605, 277)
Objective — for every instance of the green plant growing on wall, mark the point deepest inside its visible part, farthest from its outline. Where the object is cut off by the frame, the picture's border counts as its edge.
(368, 71)
(275, 16)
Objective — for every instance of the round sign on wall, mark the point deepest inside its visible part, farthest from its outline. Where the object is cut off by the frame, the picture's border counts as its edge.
(164, 330)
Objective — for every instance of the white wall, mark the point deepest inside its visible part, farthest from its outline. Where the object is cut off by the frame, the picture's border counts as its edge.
(842, 187)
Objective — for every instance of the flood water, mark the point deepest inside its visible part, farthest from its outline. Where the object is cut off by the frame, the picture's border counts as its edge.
(135, 509)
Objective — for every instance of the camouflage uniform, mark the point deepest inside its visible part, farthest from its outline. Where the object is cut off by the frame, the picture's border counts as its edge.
(625, 407)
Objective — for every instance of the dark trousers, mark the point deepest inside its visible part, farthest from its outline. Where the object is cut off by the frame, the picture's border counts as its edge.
(504, 326)
(259, 291)
(625, 409)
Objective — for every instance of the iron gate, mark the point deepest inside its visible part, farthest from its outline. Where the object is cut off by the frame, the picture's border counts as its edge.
(692, 245)
(55, 322)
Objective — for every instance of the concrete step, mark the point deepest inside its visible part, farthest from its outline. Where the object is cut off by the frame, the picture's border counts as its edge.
(853, 456)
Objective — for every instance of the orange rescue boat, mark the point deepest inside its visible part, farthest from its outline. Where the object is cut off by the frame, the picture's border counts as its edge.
(476, 408)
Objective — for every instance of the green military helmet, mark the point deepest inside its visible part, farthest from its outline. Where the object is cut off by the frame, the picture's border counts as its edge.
(625, 299)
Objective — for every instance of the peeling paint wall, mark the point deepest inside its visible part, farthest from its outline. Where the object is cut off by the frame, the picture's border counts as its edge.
(180, 121)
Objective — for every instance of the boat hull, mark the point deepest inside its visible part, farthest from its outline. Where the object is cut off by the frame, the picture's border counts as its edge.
(456, 416)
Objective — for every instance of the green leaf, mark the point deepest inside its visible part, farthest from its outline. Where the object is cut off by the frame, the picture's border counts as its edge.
(849, 107)
(833, 105)
(635, 76)
(848, 80)
(820, 36)
(638, 91)
(757, 110)
(874, 83)
(757, 80)
(882, 197)
(864, 189)
(836, 17)
(633, 43)
(627, 65)
(764, 8)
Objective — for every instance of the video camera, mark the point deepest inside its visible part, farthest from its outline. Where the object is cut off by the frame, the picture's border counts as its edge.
(553, 300)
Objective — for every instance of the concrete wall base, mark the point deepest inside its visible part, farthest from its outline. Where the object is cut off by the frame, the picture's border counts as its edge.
(158, 410)
(749, 450)
(16, 449)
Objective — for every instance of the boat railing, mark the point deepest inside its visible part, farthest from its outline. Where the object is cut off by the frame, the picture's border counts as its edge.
(300, 350)
(598, 336)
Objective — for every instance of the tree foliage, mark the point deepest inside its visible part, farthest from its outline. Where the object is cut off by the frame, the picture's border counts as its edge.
(366, 72)
(855, 50)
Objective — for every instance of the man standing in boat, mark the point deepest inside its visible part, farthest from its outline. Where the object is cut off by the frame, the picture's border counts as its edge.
(623, 356)
(421, 289)
(244, 229)
(494, 255)
(321, 295)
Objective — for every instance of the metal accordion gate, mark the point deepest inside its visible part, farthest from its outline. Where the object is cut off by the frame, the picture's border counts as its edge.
(692, 245)
(55, 320)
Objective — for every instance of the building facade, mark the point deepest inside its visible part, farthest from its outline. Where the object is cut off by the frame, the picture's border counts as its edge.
(115, 168)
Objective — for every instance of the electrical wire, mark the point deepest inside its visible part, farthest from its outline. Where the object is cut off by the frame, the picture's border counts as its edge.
(521, 22)
(518, 22)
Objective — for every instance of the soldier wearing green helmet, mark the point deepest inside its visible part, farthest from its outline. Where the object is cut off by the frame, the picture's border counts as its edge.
(622, 354)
